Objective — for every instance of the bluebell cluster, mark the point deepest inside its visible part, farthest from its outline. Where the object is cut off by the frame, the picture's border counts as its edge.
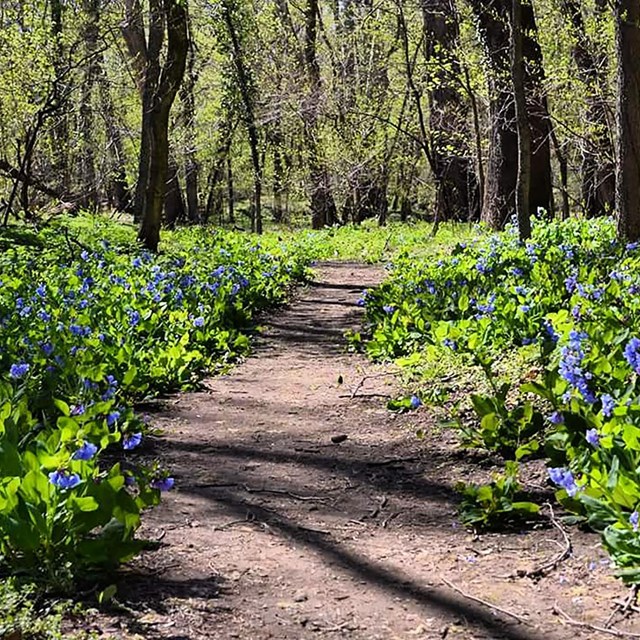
(571, 366)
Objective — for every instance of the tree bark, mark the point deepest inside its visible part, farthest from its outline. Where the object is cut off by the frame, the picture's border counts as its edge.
(456, 181)
(160, 88)
(88, 183)
(628, 119)
(598, 170)
(492, 18)
(523, 184)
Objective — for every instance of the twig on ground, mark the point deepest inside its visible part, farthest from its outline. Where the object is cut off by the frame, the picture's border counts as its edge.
(485, 603)
(594, 627)
(624, 606)
(370, 376)
(382, 463)
(543, 569)
(284, 492)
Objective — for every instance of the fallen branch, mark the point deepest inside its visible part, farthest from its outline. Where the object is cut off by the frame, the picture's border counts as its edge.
(506, 612)
(593, 627)
(284, 492)
(542, 570)
(369, 376)
(625, 606)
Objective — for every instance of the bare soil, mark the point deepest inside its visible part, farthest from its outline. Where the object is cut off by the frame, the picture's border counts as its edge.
(303, 512)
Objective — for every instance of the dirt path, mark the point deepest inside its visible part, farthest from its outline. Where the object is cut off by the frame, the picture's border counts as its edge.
(275, 531)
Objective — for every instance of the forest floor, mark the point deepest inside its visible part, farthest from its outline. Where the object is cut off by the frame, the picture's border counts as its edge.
(278, 531)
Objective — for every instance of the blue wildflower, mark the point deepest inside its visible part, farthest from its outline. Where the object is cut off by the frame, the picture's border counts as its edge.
(571, 283)
(608, 405)
(136, 262)
(415, 402)
(593, 437)
(131, 441)
(162, 484)
(388, 308)
(86, 451)
(77, 410)
(634, 520)
(550, 331)
(452, 344)
(134, 318)
(64, 480)
(112, 418)
(632, 354)
(18, 371)
(556, 418)
(198, 322)
(564, 478)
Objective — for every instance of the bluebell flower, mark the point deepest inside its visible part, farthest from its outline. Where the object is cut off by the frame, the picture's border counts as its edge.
(18, 371)
(415, 402)
(198, 322)
(41, 290)
(86, 451)
(134, 318)
(388, 308)
(517, 271)
(162, 484)
(608, 405)
(47, 348)
(632, 245)
(571, 283)
(136, 262)
(452, 344)
(564, 478)
(77, 410)
(43, 315)
(525, 308)
(632, 354)
(85, 255)
(634, 520)
(112, 418)
(593, 437)
(482, 267)
(131, 441)
(64, 480)
(556, 418)
(520, 290)
(550, 331)
(362, 300)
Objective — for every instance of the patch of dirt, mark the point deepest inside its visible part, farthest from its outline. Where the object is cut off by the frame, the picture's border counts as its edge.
(277, 531)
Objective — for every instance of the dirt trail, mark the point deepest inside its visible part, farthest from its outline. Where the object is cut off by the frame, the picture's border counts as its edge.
(275, 531)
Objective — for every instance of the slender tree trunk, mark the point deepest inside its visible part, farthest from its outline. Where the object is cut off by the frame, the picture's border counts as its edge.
(524, 133)
(230, 191)
(191, 168)
(598, 170)
(88, 186)
(249, 114)
(448, 115)
(174, 208)
(60, 130)
(628, 119)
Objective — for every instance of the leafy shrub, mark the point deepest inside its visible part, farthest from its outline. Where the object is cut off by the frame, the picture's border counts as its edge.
(495, 504)
(86, 328)
(568, 298)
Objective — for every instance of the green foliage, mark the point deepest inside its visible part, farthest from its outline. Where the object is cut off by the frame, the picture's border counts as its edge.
(494, 505)
(564, 306)
(86, 328)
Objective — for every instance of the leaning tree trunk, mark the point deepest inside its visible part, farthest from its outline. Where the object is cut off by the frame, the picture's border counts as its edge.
(628, 119)
(159, 93)
(456, 181)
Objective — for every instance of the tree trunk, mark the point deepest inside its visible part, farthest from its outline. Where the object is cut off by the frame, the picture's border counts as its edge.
(456, 181)
(174, 209)
(628, 119)
(598, 170)
(244, 87)
(160, 88)
(492, 18)
(524, 133)
(88, 183)
(191, 168)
